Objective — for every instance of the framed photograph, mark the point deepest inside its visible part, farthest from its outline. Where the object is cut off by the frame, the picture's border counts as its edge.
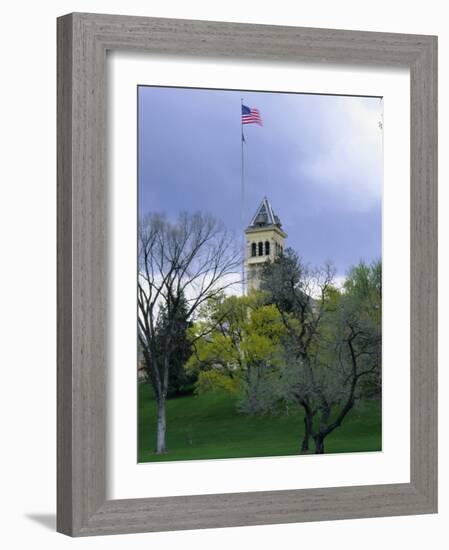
(247, 281)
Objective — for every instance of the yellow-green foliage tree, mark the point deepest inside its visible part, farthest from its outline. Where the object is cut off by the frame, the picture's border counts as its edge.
(237, 348)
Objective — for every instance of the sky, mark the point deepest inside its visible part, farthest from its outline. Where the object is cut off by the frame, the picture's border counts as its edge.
(318, 159)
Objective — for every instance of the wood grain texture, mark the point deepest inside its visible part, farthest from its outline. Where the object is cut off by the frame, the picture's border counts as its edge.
(83, 40)
(64, 277)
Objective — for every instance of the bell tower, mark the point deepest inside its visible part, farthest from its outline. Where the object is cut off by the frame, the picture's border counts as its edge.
(264, 241)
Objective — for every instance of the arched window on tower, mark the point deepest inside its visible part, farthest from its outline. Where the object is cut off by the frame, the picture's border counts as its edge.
(260, 249)
(253, 249)
(267, 248)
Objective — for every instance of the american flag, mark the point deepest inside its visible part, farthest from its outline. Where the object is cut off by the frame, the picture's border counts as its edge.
(251, 116)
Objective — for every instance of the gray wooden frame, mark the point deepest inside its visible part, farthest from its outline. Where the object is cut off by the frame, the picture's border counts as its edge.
(83, 40)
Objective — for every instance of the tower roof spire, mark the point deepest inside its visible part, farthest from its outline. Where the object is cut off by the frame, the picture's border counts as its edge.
(265, 215)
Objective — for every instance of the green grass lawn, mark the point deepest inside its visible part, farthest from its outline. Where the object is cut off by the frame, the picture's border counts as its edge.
(208, 426)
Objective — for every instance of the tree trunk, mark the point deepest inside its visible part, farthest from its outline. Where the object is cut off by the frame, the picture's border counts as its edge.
(307, 432)
(161, 427)
(319, 444)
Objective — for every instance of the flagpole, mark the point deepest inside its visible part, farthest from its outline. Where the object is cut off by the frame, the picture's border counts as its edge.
(242, 198)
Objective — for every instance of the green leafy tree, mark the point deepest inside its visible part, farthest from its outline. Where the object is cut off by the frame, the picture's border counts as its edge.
(238, 350)
(363, 310)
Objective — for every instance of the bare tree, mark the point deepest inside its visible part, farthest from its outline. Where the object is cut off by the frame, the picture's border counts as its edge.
(333, 340)
(300, 295)
(180, 266)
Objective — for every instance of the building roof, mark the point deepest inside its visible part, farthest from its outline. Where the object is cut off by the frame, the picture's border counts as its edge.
(265, 216)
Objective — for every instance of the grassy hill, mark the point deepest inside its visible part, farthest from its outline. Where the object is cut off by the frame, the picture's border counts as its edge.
(208, 426)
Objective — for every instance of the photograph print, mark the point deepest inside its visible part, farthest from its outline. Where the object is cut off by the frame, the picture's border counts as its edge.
(259, 280)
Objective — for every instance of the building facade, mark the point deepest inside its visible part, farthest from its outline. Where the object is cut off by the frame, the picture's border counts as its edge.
(265, 240)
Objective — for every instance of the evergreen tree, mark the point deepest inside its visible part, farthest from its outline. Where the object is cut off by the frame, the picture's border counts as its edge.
(180, 382)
